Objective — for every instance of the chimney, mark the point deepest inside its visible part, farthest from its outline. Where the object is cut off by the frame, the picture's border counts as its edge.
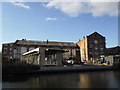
(23, 39)
(47, 41)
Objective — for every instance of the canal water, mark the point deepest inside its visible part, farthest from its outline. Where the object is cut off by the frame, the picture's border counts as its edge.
(96, 79)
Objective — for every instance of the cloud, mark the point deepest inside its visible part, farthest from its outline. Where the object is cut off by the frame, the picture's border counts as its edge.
(104, 8)
(50, 19)
(74, 9)
(20, 5)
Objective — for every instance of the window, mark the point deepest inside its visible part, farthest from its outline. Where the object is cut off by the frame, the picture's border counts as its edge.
(4, 52)
(96, 48)
(101, 48)
(91, 56)
(96, 53)
(90, 53)
(90, 49)
(101, 53)
(95, 41)
(11, 45)
(5, 44)
(10, 49)
(10, 52)
(91, 45)
(5, 49)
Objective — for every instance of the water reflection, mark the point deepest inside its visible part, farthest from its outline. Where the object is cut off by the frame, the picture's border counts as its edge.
(100, 80)
(56, 81)
(84, 81)
(104, 79)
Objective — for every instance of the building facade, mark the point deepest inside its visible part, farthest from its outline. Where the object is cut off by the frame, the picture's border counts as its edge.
(16, 49)
(92, 47)
(44, 57)
(7, 51)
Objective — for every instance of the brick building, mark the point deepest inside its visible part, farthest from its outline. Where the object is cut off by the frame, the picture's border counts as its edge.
(16, 49)
(92, 46)
(7, 51)
(113, 51)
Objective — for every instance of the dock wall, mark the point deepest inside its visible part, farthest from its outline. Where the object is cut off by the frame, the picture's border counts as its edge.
(73, 68)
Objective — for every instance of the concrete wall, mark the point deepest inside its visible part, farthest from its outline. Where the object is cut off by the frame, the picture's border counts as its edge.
(23, 50)
(42, 57)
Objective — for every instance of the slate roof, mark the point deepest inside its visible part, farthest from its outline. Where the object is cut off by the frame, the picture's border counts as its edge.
(96, 33)
(50, 43)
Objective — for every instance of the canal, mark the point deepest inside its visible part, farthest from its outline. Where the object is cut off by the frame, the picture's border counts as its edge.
(96, 79)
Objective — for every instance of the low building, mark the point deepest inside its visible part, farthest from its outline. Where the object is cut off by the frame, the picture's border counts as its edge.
(110, 60)
(44, 57)
(16, 49)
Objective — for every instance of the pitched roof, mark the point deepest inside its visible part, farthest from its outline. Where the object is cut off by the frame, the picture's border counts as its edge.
(96, 33)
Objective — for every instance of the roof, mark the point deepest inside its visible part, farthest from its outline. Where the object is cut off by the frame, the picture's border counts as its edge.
(8, 43)
(117, 47)
(32, 51)
(50, 43)
(96, 33)
(93, 34)
(50, 51)
(37, 50)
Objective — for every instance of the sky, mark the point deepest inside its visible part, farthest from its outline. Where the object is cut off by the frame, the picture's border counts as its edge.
(59, 21)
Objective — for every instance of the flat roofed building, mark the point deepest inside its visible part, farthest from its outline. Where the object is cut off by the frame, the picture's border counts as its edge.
(44, 56)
